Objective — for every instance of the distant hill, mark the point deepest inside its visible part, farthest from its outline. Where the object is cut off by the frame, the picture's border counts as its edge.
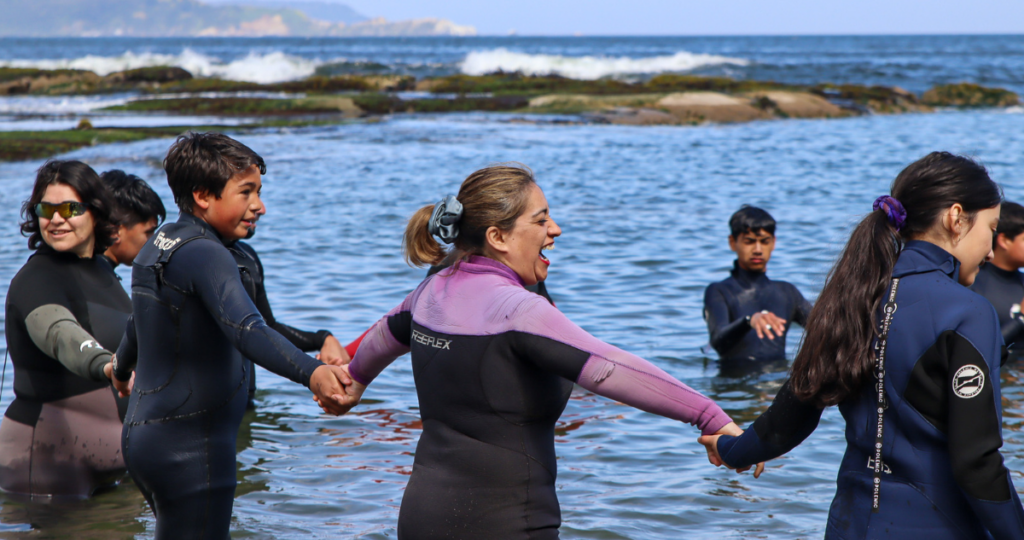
(166, 18)
(321, 10)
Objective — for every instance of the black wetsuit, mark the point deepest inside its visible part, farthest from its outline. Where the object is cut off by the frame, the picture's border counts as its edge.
(729, 304)
(60, 435)
(1005, 289)
(192, 316)
(251, 270)
(494, 366)
(944, 477)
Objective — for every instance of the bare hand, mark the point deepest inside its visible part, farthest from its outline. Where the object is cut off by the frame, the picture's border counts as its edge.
(124, 388)
(710, 443)
(332, 353)
(353, 392)
(328, 384)
(766, 323)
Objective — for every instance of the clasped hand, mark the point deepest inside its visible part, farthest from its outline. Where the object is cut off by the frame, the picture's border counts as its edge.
(336, 392)
(710, 443)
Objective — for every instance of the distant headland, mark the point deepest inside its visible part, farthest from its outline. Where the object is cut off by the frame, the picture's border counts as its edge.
(183, 18)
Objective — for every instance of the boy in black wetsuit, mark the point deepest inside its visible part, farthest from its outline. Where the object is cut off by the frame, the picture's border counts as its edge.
(748, 315)
(1001, 282)
(192, 321)
(141, 211)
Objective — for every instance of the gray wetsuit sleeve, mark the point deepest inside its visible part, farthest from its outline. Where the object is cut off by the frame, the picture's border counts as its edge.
(56, 331)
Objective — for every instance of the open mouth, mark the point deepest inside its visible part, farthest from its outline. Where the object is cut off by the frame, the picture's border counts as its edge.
(548, 247)
(58, 234)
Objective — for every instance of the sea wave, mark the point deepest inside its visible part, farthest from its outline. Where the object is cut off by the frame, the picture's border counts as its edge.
(271, 67)
(588, 67)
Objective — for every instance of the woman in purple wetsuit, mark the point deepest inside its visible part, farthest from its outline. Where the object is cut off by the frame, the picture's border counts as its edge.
(494, 365)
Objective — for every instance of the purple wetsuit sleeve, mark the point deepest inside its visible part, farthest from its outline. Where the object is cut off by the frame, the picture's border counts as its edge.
(636, 382)
(619, 375)
(377, 351)
(385, 341)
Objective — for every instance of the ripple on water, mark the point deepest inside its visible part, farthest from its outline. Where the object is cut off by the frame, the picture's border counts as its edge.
(644, 214)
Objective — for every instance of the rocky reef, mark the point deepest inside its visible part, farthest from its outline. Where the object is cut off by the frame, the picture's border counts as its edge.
(661, 100)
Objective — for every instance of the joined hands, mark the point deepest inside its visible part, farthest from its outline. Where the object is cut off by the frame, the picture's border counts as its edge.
(710, 443)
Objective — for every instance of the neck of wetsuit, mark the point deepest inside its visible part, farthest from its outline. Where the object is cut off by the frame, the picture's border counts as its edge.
(748, 277)
(46, 249)
(185, 217)
(1002, 273)
(920, 256)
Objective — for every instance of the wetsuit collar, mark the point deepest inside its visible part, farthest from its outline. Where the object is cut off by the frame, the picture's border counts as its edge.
(746, 277)
(45, 249)
(1008, 275)
(208, 229)
(919, 257)
(483, 265)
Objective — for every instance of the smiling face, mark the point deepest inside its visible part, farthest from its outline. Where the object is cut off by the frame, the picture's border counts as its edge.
(975, 245)
(753, 249)
(521, 248)
(238, 208)
(75, 234)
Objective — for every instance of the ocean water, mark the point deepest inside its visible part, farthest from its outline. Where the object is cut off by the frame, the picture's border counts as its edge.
(644, 212)
(913, 62)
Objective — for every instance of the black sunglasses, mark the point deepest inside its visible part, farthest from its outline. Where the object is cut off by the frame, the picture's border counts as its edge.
(66, 209)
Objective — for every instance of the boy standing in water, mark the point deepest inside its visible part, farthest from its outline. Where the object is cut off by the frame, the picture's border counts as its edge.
(748, 314)
(1000, 281)
(192, 321)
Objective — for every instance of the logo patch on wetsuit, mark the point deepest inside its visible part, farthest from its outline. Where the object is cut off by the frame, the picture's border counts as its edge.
(163, 243)
(88, 344)
(968, 381)
(430, 341)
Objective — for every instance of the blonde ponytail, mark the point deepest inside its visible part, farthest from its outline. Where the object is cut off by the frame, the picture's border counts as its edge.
(418, 246)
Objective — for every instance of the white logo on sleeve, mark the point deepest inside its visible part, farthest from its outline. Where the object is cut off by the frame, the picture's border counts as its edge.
(163, 243)
(968, 382)
(88, 344)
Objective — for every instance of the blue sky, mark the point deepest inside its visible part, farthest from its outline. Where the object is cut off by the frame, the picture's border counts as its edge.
(699, 17)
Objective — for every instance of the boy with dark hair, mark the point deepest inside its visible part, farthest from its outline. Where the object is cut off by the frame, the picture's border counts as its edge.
(141, 211)
(192, 321)
(748, 300)
(1000, 281)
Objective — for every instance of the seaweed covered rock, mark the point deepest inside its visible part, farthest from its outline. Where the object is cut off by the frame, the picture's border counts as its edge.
(969, 95)
(865, 99)
(152, 75)
(15, 81)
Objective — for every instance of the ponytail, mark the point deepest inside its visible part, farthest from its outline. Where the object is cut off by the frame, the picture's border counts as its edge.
(837, 358)
(419, 246)
(494, 196)
(836, 355)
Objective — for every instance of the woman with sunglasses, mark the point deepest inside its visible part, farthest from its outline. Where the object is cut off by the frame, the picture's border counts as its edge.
(66, 310)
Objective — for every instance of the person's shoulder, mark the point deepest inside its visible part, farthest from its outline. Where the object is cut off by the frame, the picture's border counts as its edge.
(718, 287)
(40, 267)
(246, 248)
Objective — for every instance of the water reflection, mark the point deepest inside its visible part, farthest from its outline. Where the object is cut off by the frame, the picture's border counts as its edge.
(644, 213)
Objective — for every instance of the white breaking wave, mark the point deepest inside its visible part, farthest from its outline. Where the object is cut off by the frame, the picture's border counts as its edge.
(258, 68)
(588, 67)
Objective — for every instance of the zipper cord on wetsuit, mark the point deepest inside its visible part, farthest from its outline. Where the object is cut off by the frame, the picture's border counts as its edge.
(883, 338)
(3, 374)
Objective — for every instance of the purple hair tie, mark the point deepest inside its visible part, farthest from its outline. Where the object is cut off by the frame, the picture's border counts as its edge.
(893, 210)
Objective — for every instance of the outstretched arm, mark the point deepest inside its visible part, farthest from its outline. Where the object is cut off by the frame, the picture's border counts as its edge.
(554, 343)
(56, 331)
(786, 423)
(213, 276)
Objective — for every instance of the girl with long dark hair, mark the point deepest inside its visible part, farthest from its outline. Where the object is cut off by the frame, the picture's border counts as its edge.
(911, 356)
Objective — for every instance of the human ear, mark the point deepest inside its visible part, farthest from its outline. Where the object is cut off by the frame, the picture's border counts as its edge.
(202, 198)
(732, 243)
(495, 238)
